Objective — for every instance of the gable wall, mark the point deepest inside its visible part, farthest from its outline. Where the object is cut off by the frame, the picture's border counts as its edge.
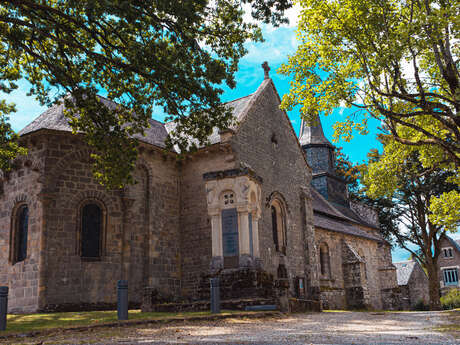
(418, 287)
(283, 170)
(448, 262)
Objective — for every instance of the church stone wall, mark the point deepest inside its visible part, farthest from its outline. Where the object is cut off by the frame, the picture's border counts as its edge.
(195, 224)
(265, 142)
(333, 288)
(22, 185)
(136, 223)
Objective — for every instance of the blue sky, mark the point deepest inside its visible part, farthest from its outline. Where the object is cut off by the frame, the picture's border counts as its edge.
(279, 43)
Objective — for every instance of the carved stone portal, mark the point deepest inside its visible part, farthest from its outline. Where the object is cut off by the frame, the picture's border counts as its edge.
(234, 207)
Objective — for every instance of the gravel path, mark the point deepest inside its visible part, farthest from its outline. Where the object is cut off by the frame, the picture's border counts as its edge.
(318, 328)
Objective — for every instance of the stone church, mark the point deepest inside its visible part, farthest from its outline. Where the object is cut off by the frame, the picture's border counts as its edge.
(260, 207)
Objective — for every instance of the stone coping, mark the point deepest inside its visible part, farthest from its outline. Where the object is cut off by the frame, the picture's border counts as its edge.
(218, 175)
(127, 323)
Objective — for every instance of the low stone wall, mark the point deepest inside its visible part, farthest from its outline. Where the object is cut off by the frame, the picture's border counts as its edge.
(298, 305)
(392, 299)
(355, 297)
(237, 304)
(241, 283)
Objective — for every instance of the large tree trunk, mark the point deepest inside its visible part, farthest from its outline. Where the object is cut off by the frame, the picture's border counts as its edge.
(433, 286)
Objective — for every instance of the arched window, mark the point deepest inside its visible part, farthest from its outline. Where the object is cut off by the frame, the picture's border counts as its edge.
(230, 239)
(278, 226)
(91, 231)
(19, 234)
(324, 259)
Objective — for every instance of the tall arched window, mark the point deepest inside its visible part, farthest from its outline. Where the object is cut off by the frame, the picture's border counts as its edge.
(19, 234)
(324, 259)
(230, 239)
(91, 231)
(278, 226)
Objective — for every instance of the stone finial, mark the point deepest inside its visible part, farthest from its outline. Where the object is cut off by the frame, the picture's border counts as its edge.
(266, 70)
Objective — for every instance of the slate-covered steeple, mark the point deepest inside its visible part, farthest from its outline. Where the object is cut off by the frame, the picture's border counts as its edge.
(319, 151)
(320, 156)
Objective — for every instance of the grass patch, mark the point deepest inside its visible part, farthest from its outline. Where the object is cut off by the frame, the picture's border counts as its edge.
(38, 322)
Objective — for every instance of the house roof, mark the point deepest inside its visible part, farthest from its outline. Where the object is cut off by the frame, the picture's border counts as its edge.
(404, 270)
(455, 243)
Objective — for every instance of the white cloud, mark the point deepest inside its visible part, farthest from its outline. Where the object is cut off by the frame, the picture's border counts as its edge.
(278, 44)
(27, 107)
(292, 14)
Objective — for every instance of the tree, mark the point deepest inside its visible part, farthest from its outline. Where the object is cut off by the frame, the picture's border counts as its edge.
(394, 60)
(173, 54)
(409, 189)
(402, 194)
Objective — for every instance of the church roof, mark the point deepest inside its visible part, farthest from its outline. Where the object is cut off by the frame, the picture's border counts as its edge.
(341, 219)
(54, 119)
(344, 227)
(404, 270)
(312, 134)
(238, 107)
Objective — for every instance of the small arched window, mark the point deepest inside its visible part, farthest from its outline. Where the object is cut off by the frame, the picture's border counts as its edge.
(278, 226)
(19, 234)
(324, 259)
(91, 231)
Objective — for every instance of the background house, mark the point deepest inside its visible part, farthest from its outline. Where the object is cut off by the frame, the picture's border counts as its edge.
(413, 283)
(449, 263)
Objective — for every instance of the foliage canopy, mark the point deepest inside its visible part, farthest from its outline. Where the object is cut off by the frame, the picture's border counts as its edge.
(143, 54)
(395, 60)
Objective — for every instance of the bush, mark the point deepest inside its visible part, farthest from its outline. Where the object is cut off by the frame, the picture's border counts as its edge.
(451, 300)
(420, 306)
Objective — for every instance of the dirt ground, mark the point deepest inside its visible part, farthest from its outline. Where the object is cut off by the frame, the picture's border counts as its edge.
(317, 328)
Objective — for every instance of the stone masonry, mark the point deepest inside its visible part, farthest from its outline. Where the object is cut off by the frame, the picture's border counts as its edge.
(242, 209)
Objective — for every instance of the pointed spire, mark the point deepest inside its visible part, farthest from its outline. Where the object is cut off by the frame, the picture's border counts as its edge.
(312, 134)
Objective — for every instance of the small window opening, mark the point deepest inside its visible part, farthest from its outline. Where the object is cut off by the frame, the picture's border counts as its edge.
(91, 231)
(20, 234)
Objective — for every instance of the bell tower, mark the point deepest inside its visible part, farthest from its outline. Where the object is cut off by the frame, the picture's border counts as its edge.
(320, 156)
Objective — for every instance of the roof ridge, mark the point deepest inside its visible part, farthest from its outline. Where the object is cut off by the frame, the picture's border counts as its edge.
(239, 98)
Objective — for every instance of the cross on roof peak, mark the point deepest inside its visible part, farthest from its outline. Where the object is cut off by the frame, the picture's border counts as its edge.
(266, 70)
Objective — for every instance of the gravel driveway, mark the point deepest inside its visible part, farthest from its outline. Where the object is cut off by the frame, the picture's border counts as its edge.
(318, 328)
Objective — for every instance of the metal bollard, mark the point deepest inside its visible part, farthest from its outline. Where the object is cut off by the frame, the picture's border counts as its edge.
(122, 302)
(3, 307)
(215, 296)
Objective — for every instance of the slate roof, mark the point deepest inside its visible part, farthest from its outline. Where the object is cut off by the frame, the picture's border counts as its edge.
(404, 270)
(333, 218)
(238, 107)
(312, 135)
(344, 227)
(455, 243)
(53, 118)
